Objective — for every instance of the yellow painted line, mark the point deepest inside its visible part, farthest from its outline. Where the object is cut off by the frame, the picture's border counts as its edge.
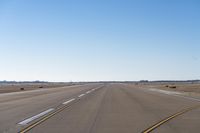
(28, 128)
(43, 119)
(150, 129)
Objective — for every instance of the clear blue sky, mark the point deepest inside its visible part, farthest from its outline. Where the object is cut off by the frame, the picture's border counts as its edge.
(71, 40)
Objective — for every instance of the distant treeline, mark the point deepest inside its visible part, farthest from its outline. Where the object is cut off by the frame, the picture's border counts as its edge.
(179, 81)
(141, 81)
(37, 81)
(158, 81)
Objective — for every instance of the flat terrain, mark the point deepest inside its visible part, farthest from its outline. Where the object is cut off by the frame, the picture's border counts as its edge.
(183, 87)
(98, 108)
(188, 89)
(18, 87)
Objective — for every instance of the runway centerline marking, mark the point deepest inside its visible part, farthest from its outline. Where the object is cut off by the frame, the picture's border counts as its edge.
(155, 126)
(25, 122)
(69, 101)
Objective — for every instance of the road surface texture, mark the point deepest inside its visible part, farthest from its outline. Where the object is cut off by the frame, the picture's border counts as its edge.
(99, 108)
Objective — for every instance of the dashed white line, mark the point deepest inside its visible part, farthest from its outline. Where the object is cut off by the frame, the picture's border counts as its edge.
(25, 122)
(88, 92)
(81, 95)
(69, 101)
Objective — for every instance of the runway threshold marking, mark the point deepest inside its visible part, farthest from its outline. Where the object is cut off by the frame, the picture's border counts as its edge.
(25, 122)
(51, 114)
(155, 126)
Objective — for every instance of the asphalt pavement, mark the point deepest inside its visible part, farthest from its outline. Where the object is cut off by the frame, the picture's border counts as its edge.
(99, 108)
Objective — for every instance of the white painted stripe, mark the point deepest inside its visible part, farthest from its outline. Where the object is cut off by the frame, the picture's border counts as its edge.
(173, 93)
(25, 122)
(88, 92)
(81, 95)
(69, 101)
(166, 92)
(186, 97)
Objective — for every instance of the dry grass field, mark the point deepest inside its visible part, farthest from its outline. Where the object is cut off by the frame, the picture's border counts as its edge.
(182, 87)
(18, 87)
(186, 87)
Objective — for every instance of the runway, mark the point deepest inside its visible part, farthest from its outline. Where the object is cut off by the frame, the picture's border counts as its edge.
(99, 108)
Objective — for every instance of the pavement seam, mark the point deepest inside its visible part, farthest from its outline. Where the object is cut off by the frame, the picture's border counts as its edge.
(97, 114)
